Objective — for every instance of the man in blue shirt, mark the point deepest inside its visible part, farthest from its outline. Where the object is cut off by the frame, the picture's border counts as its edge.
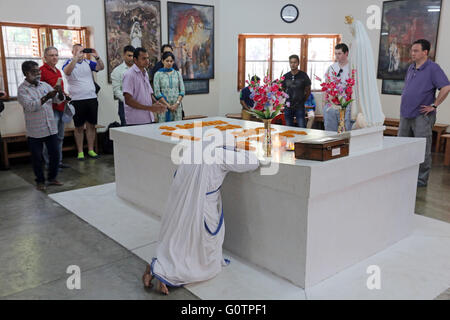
(247, 102)
(419, 102)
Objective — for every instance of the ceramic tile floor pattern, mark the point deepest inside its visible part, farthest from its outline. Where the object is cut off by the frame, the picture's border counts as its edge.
(39, 238)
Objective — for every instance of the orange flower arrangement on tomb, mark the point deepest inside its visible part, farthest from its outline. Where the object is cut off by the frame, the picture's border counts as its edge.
(293, 133)
(249, 132)
(245, 145)
(180, 136)
(228, 127)
(213, 123)
(167, 128)
(191, 125)
(257, 138)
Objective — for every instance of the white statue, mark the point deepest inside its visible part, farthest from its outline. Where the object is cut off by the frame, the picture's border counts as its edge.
(366, 109)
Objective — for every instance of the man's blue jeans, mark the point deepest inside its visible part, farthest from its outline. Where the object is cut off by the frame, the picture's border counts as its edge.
(36, 146)
(58, 117)
(299, 114)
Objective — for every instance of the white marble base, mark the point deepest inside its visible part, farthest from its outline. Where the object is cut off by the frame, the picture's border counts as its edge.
(326, 216)
(417, 267)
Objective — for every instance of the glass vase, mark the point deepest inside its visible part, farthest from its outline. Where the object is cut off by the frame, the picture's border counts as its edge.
(267, 143)
(341, 127)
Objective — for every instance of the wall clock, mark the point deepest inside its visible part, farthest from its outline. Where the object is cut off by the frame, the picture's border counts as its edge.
(289, 13)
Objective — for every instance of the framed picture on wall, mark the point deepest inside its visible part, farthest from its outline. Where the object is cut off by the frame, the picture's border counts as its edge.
(132, 22)
(393, 87)
(404, 22)
(191, 33)
(196, 86)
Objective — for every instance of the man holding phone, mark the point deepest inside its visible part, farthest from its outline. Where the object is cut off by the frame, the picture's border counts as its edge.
(51, 75)
(37, 99)
(84, 97)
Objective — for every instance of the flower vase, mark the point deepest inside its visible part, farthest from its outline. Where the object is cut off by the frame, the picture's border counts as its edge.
(267, 144)
(341, 127)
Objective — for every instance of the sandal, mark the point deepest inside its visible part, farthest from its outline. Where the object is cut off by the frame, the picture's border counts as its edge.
(144, 277)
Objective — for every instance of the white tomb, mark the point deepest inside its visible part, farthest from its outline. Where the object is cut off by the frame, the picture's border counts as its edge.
(307, 222)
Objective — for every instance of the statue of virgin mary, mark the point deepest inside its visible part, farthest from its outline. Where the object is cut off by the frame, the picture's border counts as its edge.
(366, 108)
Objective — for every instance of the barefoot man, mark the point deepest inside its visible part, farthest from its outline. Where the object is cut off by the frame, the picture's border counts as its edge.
(192, 230)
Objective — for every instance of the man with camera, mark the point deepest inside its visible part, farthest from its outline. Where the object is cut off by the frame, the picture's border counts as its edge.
(83, 92)
(37, 99)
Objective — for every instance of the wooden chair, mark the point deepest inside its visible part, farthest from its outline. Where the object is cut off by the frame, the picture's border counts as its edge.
(446, 138)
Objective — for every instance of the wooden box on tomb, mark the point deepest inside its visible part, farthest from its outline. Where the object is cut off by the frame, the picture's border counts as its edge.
(322, 149)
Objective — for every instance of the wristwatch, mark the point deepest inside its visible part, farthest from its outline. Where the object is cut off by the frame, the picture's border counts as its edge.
(96, 58)
(434, 106)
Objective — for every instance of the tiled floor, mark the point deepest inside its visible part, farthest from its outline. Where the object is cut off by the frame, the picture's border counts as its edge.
(39, 239)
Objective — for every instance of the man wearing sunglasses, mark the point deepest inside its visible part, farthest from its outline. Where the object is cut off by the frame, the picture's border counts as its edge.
(342, 70)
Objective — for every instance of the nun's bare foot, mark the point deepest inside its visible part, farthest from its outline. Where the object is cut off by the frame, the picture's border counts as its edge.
(147, 278)
(162, 288)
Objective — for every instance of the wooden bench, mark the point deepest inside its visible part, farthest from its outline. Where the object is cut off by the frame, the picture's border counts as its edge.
(438, 129)
(234, 116)
(194, 117)
(21, 137)
(446, 138)
(391, 131)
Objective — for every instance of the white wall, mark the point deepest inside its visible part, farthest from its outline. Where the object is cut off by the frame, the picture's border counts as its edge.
(232, 17)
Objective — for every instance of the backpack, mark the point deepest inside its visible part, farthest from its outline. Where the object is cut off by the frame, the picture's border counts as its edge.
(108, 145)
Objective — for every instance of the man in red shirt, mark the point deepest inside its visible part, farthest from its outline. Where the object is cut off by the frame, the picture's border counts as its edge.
(50, 74)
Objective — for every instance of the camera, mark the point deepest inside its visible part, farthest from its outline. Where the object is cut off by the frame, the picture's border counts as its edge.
(88, 50)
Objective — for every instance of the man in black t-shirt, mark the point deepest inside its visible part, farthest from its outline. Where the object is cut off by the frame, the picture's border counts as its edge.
(298, 86)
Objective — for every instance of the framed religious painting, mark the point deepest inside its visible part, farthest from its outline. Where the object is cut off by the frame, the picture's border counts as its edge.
(404, 22)
(191, 33)
(132, 22)
(392, 87)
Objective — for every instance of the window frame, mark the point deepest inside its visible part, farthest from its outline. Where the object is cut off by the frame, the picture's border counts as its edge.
(303, 54)
(43, 43)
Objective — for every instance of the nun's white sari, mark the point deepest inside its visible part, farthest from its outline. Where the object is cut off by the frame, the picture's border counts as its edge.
(193, 227)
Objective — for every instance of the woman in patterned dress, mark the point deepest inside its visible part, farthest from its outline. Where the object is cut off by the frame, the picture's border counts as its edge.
(169, 89)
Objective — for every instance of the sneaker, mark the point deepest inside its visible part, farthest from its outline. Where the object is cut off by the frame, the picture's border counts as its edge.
(80, 156)
(55, 183)
(41, 186)
(64, 166)
(92, 155)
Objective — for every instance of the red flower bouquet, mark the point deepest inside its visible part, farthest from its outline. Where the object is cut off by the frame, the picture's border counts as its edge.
(268, 96)
(337, 91)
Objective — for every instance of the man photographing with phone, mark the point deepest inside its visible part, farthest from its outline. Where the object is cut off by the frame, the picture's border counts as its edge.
(84, 97)
(37, 99)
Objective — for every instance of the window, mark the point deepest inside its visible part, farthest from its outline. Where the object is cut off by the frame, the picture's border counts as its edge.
(269, 55)
(21, 42)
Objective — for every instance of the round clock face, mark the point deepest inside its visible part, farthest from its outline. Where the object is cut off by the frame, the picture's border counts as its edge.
(289, 13)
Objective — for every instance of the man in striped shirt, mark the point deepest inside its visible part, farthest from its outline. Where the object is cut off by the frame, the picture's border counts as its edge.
(37, 100)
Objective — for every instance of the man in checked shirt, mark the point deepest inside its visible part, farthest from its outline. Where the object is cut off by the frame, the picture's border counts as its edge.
(37, 100)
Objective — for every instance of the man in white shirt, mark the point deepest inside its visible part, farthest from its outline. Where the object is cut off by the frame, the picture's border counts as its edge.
(117, 80)
(342, 69)
(82, 90)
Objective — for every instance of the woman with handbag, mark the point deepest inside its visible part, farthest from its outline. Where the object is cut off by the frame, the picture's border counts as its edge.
(169, 89)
